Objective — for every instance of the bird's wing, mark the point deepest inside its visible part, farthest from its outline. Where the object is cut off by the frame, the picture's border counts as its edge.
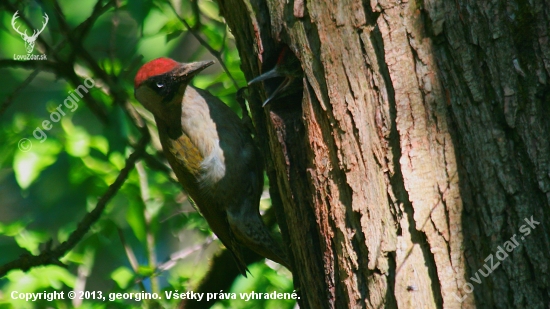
(188, 155)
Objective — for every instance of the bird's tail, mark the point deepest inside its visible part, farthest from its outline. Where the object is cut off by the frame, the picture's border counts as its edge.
(250, 231)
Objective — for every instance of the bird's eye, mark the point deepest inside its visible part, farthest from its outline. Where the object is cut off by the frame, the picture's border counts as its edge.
(160, 85)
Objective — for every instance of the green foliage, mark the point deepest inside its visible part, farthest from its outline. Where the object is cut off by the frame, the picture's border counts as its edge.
(57, 160)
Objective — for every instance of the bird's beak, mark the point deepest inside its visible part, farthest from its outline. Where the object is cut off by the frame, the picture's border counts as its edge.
(285, 84)
(187, 70)
(267, 75)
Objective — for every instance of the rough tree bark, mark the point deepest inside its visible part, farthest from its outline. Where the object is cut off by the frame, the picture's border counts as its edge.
(420, 146)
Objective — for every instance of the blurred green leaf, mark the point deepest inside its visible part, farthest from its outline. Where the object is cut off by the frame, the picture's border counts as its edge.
(136, 220)
(122, 276)
(173, 35)
(39, 278)
(65, 231)
(78, 140)
(210, 9)
(12, 229)
(100, 143)
(29, 165)
(145, 271)
(30, 240)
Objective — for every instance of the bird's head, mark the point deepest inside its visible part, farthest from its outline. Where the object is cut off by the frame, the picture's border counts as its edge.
(160, 83)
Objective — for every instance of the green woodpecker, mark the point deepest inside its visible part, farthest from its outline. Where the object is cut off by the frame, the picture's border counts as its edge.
(211, 153)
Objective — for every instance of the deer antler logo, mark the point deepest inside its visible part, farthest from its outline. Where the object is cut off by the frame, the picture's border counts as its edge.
(29, 40)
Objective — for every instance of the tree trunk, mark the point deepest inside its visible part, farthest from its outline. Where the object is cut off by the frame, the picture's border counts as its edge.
(414, 170)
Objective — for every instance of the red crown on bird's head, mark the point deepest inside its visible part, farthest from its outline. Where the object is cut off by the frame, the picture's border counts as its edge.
(153, 68)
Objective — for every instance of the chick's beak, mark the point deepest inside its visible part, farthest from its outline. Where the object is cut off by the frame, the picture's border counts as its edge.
(267, 75)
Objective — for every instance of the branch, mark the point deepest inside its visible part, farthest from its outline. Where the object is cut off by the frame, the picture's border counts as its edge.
(81, 30)
(48, 256)
(180, 255)
(149, 235)
(131, 257)
(210, 49)
(11, 96)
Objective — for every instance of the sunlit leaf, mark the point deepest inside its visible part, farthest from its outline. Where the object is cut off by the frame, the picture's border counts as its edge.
(145, 270)
(12, 229)
(28, 165)
(39, 278)
(100, 143)
(30, 240)
(122, 276)
(117, 160)
(64, 231)
(78, 140)
(96, 165)
(210, 9)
